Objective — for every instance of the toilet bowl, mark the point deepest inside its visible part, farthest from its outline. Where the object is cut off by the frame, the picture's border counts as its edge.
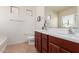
(30, 39)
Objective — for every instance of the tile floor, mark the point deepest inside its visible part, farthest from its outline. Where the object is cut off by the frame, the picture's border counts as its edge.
(20, 48)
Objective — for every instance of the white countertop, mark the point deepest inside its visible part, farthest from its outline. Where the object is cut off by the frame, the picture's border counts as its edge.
(63, 35)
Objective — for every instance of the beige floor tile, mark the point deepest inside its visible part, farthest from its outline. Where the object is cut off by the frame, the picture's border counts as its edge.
(20, 48)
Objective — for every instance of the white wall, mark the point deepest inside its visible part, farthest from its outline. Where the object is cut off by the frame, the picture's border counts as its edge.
(67, 11)
(54, 17)
(28, 25)
(16, 30)
(4, 18)
(40, 11)
(44, 12)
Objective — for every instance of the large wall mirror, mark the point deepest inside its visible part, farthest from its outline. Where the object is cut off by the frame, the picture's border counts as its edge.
(62, 16)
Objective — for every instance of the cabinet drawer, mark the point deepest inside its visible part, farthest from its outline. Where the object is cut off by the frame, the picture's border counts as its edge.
(53, 40)
(44, 36)
(37, 35)
(53, 48)
(68, 45)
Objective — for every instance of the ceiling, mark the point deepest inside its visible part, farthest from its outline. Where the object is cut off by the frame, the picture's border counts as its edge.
(58, 8)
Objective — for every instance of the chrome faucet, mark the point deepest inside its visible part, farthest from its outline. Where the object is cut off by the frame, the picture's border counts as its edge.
(70, 31)
(44, 26)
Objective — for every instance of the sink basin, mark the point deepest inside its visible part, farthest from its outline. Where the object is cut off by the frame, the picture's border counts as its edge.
(76, 35)
(64, 33)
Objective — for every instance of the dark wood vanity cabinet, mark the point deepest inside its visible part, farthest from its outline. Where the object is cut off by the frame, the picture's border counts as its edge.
(50, 44)
(55, 45)
(44, 43)
(41, 42)
(38, 41)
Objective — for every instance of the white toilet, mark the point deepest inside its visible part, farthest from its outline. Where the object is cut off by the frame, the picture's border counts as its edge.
(30, 40)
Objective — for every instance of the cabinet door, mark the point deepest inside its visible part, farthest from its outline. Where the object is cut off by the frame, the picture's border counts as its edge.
(38, 41)
(63, 51)
(53, 48)
(44, 42)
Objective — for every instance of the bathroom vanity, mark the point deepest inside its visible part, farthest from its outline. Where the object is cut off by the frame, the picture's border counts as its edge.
(52, 42)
